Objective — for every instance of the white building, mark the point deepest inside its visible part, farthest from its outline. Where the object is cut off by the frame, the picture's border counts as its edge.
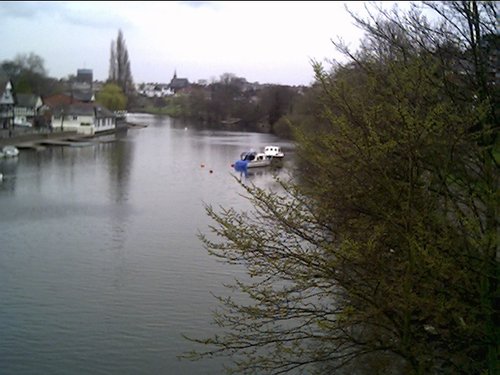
(84, 118)
(154, 90)
(26, 110)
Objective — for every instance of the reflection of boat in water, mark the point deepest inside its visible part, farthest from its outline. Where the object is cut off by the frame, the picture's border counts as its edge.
(268, 172)
(259, 172)
(252, 159)
(252, 172)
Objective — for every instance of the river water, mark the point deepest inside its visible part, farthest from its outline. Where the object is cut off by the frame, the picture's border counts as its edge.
(101, 269)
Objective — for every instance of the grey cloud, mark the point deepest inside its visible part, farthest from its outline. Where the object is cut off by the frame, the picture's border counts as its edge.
(61, 12)
(20, 9)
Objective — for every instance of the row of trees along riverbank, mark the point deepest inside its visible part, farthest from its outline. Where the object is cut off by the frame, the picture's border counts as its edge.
(230, 99)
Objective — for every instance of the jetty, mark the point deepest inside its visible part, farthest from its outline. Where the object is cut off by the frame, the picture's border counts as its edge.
(41, 140)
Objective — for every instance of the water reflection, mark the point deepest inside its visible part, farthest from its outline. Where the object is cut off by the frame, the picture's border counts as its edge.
(8, 168)
(265, 176)
(119, 161)
(101, 268)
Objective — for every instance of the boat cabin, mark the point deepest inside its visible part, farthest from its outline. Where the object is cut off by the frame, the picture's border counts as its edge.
(274, 151)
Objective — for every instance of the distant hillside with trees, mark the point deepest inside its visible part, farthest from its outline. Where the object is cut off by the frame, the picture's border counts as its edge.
(231, 102)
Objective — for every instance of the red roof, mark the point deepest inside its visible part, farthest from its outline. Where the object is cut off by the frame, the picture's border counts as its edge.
(59, 100)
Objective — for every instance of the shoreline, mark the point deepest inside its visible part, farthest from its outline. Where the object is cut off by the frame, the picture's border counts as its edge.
(40, 139)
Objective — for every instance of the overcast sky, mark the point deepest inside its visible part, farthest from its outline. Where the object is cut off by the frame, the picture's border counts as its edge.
(268, 42)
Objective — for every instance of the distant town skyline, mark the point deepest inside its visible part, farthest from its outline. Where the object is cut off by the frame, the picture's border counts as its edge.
(265, 42)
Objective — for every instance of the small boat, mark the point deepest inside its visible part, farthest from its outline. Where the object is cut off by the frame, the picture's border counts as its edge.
(9, 151)
(252, 159)
(274, 151)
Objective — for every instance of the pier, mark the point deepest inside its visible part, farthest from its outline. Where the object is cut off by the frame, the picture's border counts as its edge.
(41, 140)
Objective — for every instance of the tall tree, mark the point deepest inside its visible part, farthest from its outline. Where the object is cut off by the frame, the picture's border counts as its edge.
(119, 65)
(113, 77)
(387, 251)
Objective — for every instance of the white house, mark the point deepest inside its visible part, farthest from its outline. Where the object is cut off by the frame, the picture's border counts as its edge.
(26, 110)
(84, 118)
(154, 90)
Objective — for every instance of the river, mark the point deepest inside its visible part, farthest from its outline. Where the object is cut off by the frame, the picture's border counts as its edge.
(101, 269)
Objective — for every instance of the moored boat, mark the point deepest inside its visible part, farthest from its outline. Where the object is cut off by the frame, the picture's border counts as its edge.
(9, 152)
(252, 159)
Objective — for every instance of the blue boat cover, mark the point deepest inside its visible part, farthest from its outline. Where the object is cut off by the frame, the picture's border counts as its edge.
(240, 165)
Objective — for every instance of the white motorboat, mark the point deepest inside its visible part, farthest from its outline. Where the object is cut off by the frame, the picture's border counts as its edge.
(9, 152)
(252, 159)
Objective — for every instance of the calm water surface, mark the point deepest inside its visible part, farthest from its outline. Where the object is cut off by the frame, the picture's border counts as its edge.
(101, 270)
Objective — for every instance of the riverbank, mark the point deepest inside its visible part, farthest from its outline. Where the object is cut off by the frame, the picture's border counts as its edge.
(39, 138)
(19, 139)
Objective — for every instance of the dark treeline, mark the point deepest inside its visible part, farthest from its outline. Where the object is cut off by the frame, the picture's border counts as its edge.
(29, 76)
(232, 100)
